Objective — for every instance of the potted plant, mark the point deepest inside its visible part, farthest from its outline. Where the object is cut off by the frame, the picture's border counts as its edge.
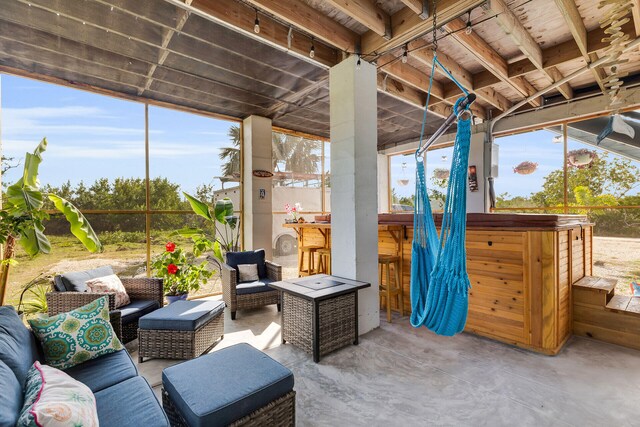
(179, 272)
(36, 293)
(23, 215)
(226, 227)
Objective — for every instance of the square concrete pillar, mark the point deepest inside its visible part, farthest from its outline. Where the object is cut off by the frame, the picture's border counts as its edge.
(354, 182)
(256, 155)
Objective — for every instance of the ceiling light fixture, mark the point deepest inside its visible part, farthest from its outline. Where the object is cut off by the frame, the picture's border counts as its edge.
(256, 26)
(312, 51)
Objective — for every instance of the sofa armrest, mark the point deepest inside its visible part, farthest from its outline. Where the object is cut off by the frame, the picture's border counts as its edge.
(274, 271)
(229, 283)
(62, 302)
(144, 288)
(115, 318)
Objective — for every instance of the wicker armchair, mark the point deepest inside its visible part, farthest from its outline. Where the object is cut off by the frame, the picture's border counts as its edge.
(138, 289)
(253, 300)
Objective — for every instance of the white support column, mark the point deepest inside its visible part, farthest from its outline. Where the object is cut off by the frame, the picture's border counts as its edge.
(476, 199)
(383, 183)
(256, 155)
(354, 199)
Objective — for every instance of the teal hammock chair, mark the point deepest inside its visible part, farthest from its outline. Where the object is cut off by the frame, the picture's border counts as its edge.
(439, 280)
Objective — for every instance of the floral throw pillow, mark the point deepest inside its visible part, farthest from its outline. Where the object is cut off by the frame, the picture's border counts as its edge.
(110, 284)
(54, 399)
(85, 333)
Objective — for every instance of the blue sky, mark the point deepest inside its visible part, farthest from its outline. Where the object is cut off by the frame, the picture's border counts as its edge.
(93, 136)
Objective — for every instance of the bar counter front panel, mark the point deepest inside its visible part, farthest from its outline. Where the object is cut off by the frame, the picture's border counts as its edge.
(521, 268)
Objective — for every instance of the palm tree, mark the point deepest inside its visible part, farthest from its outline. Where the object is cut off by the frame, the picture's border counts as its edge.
(231, 155)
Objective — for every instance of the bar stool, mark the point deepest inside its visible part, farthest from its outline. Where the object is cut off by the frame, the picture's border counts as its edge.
(387, 290)
(324, 260)
(310, 251)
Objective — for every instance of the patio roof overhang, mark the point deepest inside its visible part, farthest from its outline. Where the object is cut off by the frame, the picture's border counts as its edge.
(204, 56)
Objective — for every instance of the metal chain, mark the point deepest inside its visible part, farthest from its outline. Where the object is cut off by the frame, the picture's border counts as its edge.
(435, 22)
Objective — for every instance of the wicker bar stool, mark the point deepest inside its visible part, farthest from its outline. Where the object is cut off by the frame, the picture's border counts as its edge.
(324, 260)
(310, 252)
(387, 290)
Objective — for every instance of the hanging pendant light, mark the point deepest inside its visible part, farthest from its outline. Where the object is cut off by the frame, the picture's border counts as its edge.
(525, 168)
(404, 181)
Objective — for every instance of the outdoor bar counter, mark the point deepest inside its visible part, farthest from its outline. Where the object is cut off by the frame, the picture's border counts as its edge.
(521, 268)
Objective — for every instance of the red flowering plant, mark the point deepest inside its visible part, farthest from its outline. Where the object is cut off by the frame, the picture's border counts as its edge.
(179, 270)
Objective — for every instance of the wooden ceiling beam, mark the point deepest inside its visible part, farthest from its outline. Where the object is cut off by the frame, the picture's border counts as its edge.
(574, 21)
(512, 26)
(636, 16)
(302, 16)
(410, 95)
(406, 25)
(367, 13)
(490, 59)
(419, 7)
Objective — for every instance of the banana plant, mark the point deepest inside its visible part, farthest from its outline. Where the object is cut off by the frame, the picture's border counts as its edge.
(225, 239)
(22, 218)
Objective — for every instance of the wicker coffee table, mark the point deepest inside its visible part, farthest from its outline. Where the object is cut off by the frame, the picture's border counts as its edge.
(320, 312)
(181, 330)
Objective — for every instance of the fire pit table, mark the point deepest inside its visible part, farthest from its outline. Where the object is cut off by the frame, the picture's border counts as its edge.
(320, 312)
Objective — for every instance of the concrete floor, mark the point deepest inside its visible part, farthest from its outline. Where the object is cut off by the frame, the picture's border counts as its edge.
(401, 376)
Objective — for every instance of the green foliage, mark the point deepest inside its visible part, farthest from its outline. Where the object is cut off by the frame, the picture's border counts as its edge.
(35, 292)
(80, 227)
(187, 275)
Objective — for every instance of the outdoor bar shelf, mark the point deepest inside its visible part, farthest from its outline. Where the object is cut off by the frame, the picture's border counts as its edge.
(521, 269)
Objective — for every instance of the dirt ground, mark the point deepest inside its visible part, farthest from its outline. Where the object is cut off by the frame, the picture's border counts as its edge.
(617, 258)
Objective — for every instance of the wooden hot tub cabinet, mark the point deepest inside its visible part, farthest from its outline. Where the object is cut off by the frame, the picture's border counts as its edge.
(521, 269)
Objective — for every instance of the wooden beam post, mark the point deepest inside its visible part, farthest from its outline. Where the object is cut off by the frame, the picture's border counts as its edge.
(367, 13)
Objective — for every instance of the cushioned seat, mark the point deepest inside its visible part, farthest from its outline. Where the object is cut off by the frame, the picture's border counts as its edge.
(12, 397)
(254, 287)
(18, 347)
(239, 380)
(105, 371)
(137, 309)
(130, 403)
(182, 315)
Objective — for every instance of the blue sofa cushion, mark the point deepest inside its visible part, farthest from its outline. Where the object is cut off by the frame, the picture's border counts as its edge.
(138, 308)
(18, 346)
(76, 281)
(105, 371)
(248, 257)
(130, 403)
(11, 395)
(254, 287)
(182, 315)
(223, 395)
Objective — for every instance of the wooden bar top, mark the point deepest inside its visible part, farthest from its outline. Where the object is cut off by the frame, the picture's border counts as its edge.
(479, 221)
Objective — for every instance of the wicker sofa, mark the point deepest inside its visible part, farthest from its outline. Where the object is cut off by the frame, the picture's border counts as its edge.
(123, 397)
(146, 295)
(241, 296)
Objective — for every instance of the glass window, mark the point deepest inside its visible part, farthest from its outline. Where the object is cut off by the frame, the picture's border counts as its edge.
(95, 142)
(530, 168)
(191, 153)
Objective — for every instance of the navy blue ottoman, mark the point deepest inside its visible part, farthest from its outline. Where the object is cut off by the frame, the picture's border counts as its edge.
(181, 330)
(238, 386)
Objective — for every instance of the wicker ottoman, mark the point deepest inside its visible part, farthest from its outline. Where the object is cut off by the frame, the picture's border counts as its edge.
(181, 330)
(238, 386)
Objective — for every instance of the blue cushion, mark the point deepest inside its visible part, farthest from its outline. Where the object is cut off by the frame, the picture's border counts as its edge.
(248, 257)
(105, 371)
(18, 347)
(136, 309)
(254, 287)
(76, 281)
(182, 315)
(130, 403)
(11, 395)
(239, 380)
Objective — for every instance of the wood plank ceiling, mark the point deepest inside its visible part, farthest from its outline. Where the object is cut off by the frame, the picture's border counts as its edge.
(204, 55)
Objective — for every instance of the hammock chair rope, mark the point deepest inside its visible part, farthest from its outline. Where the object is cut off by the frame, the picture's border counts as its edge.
(439, 280)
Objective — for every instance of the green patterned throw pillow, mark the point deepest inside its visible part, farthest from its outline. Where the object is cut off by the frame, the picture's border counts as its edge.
(85, 333)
